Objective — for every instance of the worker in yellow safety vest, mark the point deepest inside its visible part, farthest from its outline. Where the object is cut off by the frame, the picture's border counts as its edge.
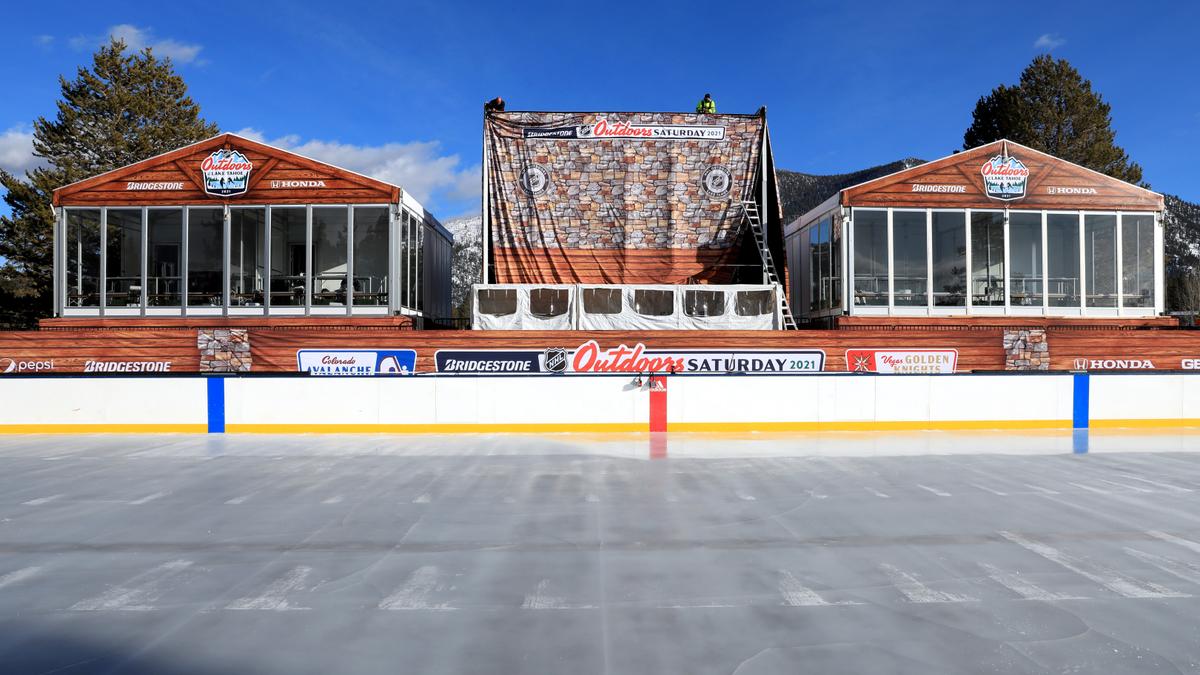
(707, 106)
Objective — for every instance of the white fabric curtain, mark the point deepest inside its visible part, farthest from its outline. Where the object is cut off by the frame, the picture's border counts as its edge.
(612, 307)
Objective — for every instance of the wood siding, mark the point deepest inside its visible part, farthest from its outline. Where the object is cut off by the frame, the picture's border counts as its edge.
(572, 266)
(70, 344)
(1164, 350)
(71, 350)
(272, 171)
(1052, 184)
(276, 350)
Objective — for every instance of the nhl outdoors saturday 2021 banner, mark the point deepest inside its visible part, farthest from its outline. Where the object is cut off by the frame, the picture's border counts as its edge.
(621, 197)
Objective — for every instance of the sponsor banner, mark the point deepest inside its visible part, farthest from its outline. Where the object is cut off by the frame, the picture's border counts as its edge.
(226, 173)
(127, 367)
(927, 187)
(1004, 177)
(902, 361)
(1190, 364)
(604, 129)
(356, 362)
(1055, 190)
(488, 361)
(139, 185)
(19, 366)
(1112, 364)
(591, 358)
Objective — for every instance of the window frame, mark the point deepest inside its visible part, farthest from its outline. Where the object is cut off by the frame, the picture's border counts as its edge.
(143, 308)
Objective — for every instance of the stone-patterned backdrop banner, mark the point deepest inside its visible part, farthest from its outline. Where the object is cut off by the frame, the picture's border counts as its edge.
(619, 197)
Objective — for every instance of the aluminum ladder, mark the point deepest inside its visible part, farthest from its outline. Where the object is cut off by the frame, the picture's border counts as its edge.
(750, 209)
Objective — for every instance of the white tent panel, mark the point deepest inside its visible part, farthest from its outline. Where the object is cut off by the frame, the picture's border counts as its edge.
(615, 307)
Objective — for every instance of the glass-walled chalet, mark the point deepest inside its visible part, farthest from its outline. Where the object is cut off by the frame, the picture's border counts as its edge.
(303, 239)
(999, 230)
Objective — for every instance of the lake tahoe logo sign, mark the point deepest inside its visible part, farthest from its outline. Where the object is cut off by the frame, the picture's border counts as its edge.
(226, 173)
(1004, 177)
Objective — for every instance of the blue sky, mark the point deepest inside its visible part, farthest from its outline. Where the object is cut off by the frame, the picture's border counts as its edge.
(395, 89)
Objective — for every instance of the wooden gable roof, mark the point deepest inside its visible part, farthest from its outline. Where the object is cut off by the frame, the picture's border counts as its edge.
(958, 181)
(276, 177)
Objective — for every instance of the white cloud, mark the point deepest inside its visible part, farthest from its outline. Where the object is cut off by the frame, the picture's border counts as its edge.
(139, 38)
(418, 167)
(1049, 41)
(16, 152)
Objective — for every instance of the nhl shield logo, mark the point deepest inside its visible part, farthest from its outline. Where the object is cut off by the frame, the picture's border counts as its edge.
(226, 173)
(534, 179)
(1004, 177)
(717, 180)
(556, 360)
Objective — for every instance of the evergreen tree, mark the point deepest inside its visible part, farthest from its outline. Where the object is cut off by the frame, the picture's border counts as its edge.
(126, 108)
(1053, 109)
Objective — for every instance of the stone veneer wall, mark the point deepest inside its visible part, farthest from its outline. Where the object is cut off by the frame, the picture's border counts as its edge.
(619, 193)
(224, 350)
(1026, 349)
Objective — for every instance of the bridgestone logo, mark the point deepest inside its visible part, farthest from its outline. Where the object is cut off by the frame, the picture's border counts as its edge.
(485, 366)
(127, 367)
(154, 186)
(918, 187)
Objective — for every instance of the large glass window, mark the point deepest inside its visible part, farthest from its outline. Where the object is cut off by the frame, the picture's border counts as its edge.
(1062, 255)
(911, 279)
(1025, 259)
(949, 258)
(83, 257)
(834, 274)
(164, 271)
(289, 257)
(123, 245)
(329, 256)
(987, 258)
(870, 258)
(419, 269)
(247, 256)
(406, 256)
(1137, 261)
(206, 232)
(1100, 248)
(370, 255)
(818, 255)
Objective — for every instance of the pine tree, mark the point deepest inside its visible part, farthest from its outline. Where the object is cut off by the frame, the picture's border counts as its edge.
(1053, 109)
(126, 108)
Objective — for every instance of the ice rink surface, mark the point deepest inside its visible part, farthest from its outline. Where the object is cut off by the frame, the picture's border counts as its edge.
(858, 553)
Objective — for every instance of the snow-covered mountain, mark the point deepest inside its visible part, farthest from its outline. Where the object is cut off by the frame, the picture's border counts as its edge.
(466, 260)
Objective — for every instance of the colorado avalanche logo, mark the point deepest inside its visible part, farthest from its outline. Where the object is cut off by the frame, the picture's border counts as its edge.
(226, 173)
(1004, 178)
